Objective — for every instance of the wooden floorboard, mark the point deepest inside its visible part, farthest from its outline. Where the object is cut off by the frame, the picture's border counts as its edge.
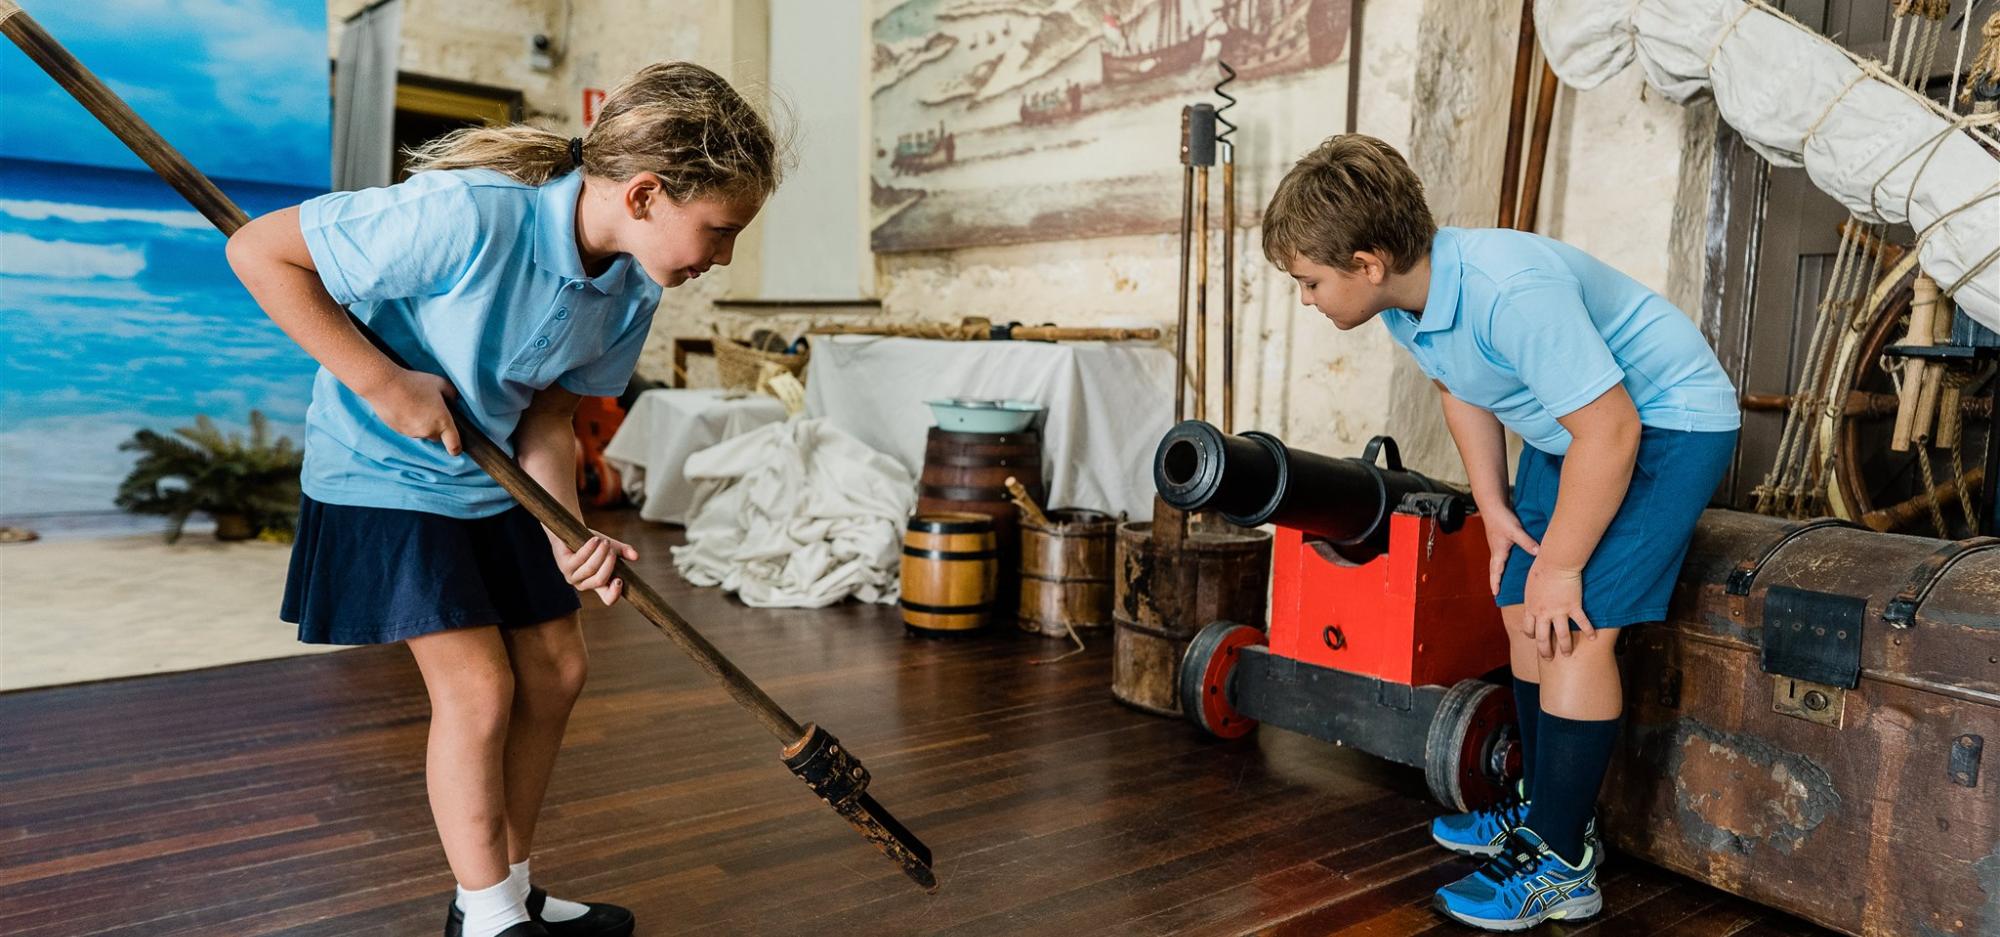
(286, 797)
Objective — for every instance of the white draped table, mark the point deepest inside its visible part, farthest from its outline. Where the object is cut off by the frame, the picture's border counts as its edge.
(1108, 404)
(668, 425)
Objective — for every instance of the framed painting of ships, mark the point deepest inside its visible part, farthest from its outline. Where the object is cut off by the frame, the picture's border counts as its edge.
(1009, 121)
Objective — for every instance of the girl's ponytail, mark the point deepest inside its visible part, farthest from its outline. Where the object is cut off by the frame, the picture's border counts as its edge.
(529, 154)
(677, 120)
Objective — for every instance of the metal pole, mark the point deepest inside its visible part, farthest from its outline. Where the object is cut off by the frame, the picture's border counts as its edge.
(1228, 287)
(1201, 295)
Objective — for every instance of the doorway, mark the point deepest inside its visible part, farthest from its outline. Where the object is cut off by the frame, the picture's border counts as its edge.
(427, 108)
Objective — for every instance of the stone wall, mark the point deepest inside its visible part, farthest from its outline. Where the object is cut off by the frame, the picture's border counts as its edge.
(1435, 80)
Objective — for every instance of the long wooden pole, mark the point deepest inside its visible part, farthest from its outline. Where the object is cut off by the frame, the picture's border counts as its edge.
(203, 194)
(1860, 403)
(984, 331)
(1538, 151)
(1517, 113)
(1181, 311)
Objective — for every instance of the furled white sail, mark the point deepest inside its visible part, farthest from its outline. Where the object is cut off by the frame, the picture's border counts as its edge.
(1882, 151)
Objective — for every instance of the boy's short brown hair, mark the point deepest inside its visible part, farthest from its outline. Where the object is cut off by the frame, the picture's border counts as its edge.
(1351, 193)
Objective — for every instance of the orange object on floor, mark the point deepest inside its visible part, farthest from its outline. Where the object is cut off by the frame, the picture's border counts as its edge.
(597, 482)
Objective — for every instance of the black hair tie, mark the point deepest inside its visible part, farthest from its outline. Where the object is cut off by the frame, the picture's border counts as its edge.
(576, 152)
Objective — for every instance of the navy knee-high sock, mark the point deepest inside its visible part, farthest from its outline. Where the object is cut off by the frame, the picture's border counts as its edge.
(1528, 713)
(1570, 758)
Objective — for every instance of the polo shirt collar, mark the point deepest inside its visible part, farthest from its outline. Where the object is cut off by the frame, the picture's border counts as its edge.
(555, 236)
(1441, 303)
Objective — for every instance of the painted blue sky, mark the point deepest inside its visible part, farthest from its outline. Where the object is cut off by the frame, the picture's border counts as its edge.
(239, 86)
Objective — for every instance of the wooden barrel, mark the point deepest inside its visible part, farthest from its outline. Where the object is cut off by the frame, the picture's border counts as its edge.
(1220, 572)
(967, 472)
(1066, 572)
(950, 570)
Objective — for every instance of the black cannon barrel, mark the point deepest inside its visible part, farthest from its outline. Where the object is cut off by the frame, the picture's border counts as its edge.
(1255, 479)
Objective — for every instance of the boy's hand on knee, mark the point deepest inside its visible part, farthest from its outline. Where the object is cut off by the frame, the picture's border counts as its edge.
(1554, 599)
(594, 566)
(1503, 533)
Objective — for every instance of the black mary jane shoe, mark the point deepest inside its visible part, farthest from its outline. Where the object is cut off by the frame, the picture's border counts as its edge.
(602, 920)
(454, 926)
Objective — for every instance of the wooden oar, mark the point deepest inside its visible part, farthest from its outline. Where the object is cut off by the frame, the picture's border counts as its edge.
(981, 330)
(810, 752)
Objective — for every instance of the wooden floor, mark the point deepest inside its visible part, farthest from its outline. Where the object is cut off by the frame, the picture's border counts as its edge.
(287, 797)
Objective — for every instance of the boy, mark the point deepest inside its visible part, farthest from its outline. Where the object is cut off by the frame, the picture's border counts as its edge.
(1629, 423)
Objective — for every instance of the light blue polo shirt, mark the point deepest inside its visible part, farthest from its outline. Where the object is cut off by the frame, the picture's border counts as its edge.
(473, 276)
(1533, 329)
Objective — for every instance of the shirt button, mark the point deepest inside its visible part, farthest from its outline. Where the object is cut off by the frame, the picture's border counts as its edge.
(541, 343)
(562, 312)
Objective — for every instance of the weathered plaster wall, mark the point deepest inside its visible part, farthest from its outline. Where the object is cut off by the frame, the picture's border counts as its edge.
(1296, 374)
(1623, 153)
(1434, 82)
(486, 41)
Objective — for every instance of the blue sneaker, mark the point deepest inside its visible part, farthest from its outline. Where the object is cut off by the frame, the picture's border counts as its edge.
(1522, 886)
(1480, 832)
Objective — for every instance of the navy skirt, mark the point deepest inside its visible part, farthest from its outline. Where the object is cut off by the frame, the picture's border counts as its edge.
(1631, 574)
(363, 575)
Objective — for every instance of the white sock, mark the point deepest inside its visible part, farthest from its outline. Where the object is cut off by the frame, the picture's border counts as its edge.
(495, 908)
(554, 910)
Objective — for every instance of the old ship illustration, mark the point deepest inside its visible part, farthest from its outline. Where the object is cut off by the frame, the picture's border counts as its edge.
(1131, 53)
(1262, 37)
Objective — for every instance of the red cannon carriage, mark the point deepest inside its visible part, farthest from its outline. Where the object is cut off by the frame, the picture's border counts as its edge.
(1382, 632)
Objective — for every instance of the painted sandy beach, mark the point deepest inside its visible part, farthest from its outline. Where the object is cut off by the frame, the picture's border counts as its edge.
(75, 610)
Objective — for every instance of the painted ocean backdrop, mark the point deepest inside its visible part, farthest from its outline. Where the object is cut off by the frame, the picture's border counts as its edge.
(117, 309)
(117, 312)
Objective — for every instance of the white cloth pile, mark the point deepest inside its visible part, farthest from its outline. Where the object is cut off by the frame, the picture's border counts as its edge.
(1800, 101)
(796, 515)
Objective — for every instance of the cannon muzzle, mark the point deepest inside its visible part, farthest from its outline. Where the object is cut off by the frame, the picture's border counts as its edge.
(1255, 479)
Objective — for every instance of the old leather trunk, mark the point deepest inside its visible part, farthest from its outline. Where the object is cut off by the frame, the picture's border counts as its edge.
(1821, 734)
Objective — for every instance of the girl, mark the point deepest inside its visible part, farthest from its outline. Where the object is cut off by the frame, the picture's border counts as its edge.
(515, 271)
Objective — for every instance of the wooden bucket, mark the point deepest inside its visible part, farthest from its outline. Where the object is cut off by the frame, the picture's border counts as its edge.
(950, 568)
(1066, 572)
(968, 472)
(1165, 595)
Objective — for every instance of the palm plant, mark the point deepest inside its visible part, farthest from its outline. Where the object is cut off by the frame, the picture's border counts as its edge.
(247, 484)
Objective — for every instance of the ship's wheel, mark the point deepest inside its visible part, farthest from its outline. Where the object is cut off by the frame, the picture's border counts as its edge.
(1875, 485)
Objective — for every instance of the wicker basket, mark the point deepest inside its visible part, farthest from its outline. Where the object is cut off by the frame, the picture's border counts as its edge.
(741, 366)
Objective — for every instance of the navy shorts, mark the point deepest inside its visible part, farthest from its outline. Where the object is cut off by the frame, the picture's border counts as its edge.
(1631, 574)
(364, 575)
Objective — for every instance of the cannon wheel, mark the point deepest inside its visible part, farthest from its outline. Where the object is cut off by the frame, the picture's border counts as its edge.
(1204, 682)
(1470, 755)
